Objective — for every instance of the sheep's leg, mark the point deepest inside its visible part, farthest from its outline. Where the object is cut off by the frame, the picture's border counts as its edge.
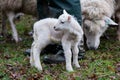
(68, 54)
(75, 51)
(118, 32)
(3, 19)
(11, 16)
(3, 24)
(36, 50)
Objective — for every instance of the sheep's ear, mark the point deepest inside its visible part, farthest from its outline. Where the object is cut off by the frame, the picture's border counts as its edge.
(109, 21)
(64, 12)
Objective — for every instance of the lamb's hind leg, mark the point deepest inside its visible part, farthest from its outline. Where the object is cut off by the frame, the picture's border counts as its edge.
(11, 16)
(68, 55)
(75, 51)
(35, 53)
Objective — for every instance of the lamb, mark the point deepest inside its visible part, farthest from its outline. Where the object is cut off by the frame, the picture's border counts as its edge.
(65, 29)
(96, 18)
(10, 8)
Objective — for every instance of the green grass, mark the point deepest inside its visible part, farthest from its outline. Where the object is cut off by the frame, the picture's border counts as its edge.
(97, 65)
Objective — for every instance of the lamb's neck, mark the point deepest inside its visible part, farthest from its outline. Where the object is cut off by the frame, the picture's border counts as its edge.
(75, 25)
(76, 28)
(73, 32)
(70, 36)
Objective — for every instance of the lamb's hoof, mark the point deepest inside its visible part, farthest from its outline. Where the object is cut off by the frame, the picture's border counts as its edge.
(70, 69)
(77, 66)
(39, 68)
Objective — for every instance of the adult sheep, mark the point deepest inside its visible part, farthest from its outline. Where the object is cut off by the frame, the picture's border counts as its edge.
(12, 7)
(96, 19)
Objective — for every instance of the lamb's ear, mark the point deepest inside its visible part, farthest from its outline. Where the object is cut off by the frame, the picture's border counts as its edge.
(109, 21)
(69, 18)
(64, 12)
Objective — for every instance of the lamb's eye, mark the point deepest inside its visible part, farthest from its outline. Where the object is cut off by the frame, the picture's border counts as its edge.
(62, 22)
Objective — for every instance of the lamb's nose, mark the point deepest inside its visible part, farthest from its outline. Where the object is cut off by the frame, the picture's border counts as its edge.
(54, 27)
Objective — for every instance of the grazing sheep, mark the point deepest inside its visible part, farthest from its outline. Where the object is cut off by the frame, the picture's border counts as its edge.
(96, 18)
(12, 7)
(65, 29)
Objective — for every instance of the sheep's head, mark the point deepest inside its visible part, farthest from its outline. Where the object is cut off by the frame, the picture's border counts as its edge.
(63, 22)
(93, 29)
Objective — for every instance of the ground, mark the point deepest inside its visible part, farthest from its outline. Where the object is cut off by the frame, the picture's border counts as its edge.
(102, 64)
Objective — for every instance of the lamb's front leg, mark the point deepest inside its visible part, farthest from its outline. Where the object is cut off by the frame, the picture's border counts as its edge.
(75, 51)
(68, 55)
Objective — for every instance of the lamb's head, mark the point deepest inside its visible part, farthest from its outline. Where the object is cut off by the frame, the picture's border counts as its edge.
(63, 22)
(93, 29)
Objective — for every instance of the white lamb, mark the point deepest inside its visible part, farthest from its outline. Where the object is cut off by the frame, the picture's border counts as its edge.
(66, 30)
